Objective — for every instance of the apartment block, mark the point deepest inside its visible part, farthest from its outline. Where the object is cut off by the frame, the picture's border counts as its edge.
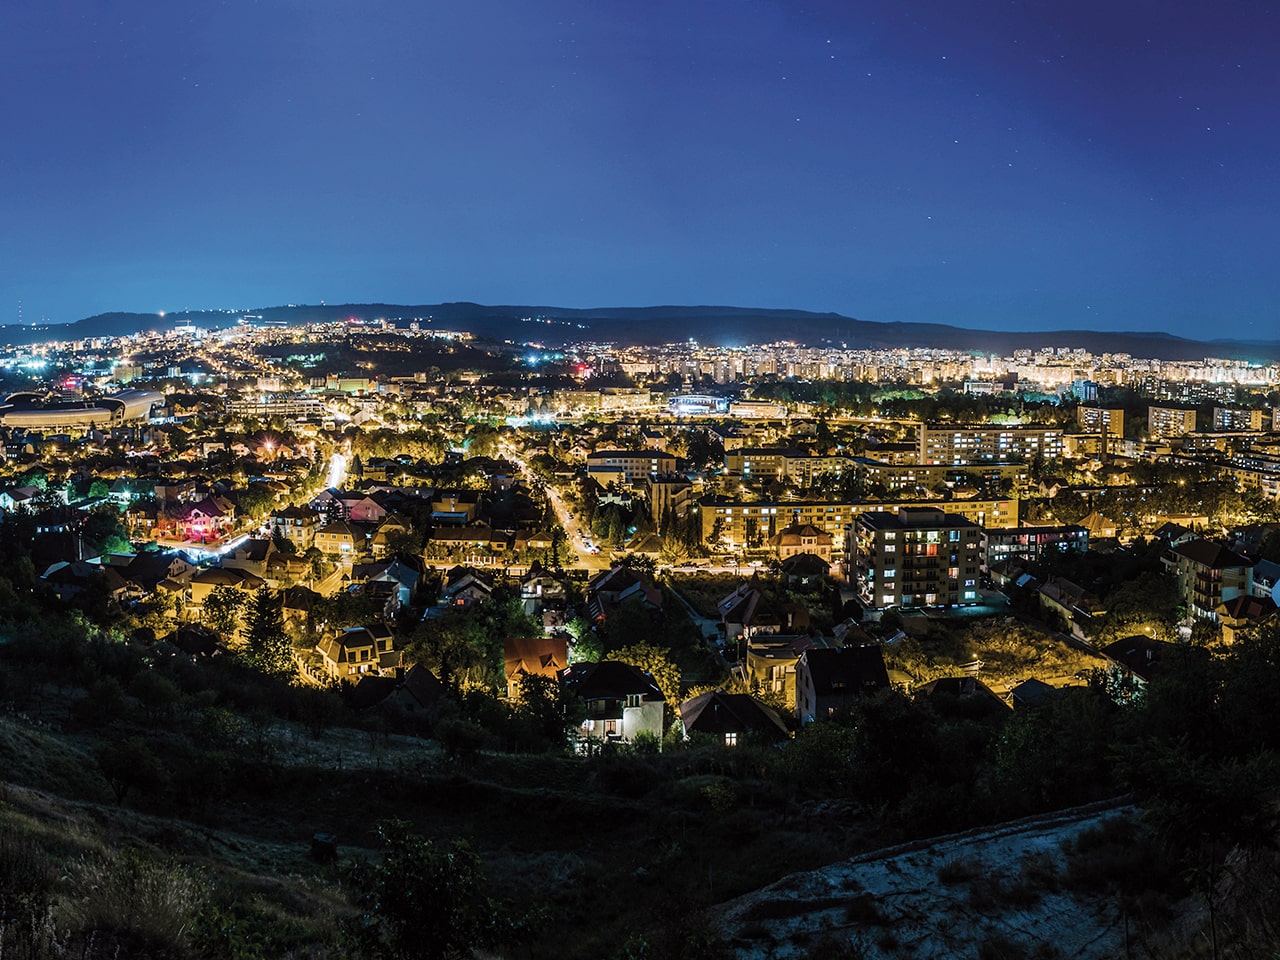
(1164, 423)
(1227, 419)
(628, 465)
(1108, 420)
(920, 557)
(960, 444)
(751, 524)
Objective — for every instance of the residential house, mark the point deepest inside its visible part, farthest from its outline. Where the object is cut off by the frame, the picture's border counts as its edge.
(458, 507)
(1032, 694)
(297, 604)
(608, 590)
(283, 570)
(356, 651)
(363, 508)
(395, 579)
(337, 539)
(532, 656)
(296, 524)
(805, 569)
(771, 663)
(1100, 527)
(731, 718)
(71, 580)
(1137, 657)
(15, 498)
(622, 701)
(966, 690)
(465, 587)
(801, 538)
(207, 520)
(540, 587)
(252, 556)
(1073, 603)
(828, 681)
(206, 581)
(389, 533)
(415, 694)
(1242, 612)
(746, 613)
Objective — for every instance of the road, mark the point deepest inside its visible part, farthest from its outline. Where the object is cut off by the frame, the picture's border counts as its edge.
(578, 555)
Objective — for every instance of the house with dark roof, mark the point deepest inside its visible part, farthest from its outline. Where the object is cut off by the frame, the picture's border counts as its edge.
(608, 590)
(210, 519)
(356, 651)
(1137, 657)
(1076, 605)
(206, 581)
(966, 695)
(532, 656)
(1031, 694)
(622, 700)
(1243, 612)
(731, 718)
(297, 603)
(803, 569)
(464, 587)
(298, 525)
(414, 694)
(391, 530)
(828, 681)
(1209, 575)
(251, 556)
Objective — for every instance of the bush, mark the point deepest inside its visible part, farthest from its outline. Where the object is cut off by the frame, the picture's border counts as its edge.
(959, 870)
(142, 907)
(26, 879)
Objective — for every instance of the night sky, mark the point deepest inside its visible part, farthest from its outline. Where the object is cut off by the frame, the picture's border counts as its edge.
(1110, 165)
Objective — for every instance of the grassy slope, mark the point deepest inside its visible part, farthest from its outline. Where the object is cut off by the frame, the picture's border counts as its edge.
(568, 835)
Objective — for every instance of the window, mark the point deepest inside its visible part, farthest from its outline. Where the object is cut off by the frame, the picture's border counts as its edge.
(633, 699)
(611, 728)
(730, 739)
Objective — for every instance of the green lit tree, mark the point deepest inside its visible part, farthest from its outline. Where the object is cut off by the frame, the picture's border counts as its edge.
(223, 609)
(267, 646)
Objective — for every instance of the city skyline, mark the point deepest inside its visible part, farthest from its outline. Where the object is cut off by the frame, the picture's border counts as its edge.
(997, 167)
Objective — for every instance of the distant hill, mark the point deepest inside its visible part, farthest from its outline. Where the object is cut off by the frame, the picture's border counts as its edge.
(730, 326)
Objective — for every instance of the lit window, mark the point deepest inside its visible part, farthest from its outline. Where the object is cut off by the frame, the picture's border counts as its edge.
(730, 739)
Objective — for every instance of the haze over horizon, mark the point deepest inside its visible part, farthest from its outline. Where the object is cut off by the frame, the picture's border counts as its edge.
(999, 166)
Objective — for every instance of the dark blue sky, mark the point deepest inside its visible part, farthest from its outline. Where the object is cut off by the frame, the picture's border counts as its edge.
(1007, 165)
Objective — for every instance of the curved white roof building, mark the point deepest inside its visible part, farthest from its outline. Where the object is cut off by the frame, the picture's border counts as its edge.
(32, 412)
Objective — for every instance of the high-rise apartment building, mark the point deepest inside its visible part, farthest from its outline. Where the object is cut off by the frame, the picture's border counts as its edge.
(959, 444)
(920, 557)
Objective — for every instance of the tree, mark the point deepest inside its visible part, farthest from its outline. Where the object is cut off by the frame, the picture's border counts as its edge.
(126, 764)
(223, 609)
(267, 646)
(256, 499)
(587, 646)
(425, 900)
(656, 661)
(543, 703)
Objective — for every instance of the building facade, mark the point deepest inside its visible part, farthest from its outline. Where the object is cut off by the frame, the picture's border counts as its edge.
(922, 557)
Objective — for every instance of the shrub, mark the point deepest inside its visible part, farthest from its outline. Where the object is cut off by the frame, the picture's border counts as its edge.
(959, 870)
(26, 879)
(144, 907)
